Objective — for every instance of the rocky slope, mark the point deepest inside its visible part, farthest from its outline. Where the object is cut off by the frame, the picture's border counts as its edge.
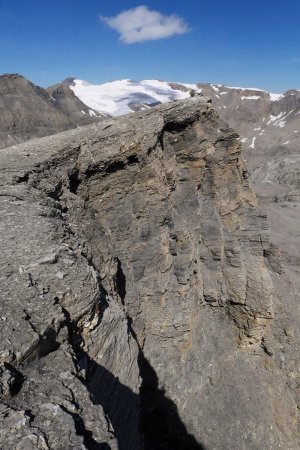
(269, 126)
(143, 306)
(28, 111)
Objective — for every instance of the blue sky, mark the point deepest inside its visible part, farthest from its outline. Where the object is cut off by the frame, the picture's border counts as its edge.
(252, 43)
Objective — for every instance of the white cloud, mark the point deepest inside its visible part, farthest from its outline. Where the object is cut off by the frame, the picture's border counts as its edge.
(142, 24)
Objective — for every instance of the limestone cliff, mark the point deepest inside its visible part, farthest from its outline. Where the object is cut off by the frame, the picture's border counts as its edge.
(138, 307)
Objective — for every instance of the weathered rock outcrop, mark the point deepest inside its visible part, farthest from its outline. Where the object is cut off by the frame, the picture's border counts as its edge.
(138, 306)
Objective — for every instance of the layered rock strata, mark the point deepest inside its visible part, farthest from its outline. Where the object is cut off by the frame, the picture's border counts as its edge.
(138, 306)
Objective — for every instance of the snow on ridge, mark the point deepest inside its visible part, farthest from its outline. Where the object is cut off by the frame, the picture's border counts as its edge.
(216, 88)
(273, 97)
(115, 97)
(253, 97)
(244, 89)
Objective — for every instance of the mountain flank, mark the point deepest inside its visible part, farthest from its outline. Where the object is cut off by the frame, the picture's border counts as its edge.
(28, 111)
(269, 127)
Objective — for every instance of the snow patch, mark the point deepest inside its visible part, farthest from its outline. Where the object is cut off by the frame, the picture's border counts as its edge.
(275, 97)
(280, 124)
(280, 120)
(253, 143)
(253, 97)
(215, 87)
(272, 118)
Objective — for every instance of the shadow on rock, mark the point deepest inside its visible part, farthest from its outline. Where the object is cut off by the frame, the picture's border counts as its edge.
(160, 422)
(149, 421)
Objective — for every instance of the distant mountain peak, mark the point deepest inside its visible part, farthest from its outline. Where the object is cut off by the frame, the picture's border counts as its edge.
(13, 75)
(28, 111)
(67, 81)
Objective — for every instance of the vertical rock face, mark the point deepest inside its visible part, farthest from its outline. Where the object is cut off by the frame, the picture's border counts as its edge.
(147, 292)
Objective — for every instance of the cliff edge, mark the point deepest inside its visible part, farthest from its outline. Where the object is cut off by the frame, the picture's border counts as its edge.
(142, 305)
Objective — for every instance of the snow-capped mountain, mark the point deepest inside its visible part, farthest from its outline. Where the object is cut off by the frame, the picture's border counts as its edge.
(123, 96)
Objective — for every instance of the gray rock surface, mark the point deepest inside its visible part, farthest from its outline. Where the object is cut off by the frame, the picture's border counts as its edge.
(28, 111)
(270, 135)
(142, 305)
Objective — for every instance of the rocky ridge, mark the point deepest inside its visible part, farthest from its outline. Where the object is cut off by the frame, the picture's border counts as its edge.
(143, 306)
